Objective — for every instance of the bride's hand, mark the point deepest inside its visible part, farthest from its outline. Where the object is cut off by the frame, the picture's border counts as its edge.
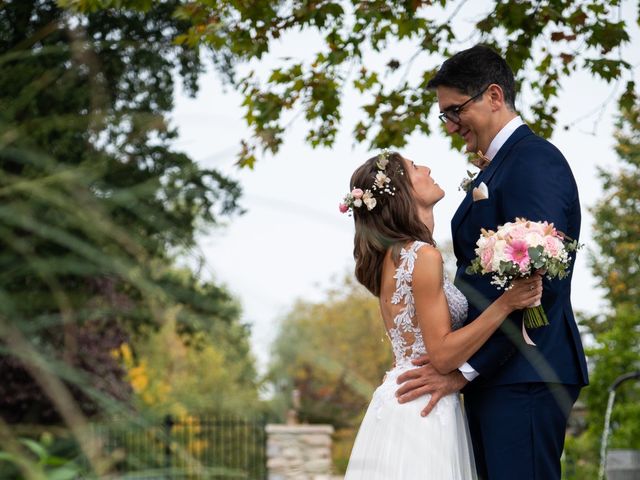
(523, 293)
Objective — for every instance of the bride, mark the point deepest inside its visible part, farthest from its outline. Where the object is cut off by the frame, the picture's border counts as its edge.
(392, 202)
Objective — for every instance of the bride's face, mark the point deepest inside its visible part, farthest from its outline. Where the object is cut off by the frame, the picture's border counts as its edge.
(426, 191)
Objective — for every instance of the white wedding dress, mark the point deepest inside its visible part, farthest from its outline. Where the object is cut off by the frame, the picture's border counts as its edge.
(394, 442)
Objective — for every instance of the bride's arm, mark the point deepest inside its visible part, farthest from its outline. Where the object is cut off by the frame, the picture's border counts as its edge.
(449, 349)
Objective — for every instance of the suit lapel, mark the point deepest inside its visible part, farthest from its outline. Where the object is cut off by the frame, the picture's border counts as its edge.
(486, 175)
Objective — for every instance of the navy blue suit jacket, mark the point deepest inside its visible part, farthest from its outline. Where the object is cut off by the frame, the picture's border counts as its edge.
(529, 178)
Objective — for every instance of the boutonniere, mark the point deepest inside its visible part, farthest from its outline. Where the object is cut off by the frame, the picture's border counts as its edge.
(467, 182)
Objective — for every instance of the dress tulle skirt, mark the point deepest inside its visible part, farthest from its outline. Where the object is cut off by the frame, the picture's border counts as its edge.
(395, 443)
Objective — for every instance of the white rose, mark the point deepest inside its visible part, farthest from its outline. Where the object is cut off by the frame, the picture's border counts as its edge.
(498, 254)
(482, 242)
(534, 239)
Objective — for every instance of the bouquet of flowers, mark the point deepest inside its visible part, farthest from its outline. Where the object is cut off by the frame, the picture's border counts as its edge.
(519, 249)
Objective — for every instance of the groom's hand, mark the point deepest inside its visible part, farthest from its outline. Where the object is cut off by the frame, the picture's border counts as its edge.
(426, 380)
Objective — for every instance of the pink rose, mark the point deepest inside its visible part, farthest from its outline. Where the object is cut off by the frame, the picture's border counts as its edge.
(553, 246)
(357, 193)
(343, 208)
(538, 227)
(486, 256)
(487, 259)
(519, 232)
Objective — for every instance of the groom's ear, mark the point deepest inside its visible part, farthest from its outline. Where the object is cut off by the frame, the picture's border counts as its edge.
(496, 97)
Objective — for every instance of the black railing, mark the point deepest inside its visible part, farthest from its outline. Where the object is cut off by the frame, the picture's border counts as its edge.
(214, 448)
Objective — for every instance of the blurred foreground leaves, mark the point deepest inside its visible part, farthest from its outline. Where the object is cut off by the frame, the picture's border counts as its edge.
(98, 216)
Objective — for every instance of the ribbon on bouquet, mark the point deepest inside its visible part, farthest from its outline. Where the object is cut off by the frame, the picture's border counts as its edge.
(526, 336)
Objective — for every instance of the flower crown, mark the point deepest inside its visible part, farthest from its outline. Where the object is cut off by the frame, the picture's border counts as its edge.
(382, 184)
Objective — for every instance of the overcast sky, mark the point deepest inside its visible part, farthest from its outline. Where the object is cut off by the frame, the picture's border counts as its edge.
(293, 243)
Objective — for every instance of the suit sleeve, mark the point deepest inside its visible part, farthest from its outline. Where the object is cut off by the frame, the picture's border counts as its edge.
(536, 184)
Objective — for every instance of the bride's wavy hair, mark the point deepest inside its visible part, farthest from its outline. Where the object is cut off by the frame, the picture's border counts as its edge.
(392, 223)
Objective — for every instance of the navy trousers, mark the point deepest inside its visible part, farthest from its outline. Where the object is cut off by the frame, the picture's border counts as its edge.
(518, 430)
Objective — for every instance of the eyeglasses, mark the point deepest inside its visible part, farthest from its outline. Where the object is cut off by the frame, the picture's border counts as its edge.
(452, 114)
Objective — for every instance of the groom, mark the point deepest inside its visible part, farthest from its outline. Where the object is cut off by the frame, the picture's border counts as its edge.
(517, 397)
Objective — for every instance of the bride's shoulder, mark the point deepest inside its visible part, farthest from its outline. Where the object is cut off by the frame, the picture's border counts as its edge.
(428, 271)
(419, 245)
(427, 254)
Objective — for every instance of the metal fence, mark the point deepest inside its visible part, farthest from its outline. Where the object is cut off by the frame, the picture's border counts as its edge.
(188, 448)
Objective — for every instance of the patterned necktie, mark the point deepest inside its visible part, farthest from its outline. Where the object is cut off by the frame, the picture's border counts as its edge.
(481, 161)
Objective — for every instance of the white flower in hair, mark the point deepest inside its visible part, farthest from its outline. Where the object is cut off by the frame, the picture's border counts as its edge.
(381, 180)
(369, 200)
(383, 159)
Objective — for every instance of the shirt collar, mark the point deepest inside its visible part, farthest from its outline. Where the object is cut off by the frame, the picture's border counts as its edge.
(502, 136)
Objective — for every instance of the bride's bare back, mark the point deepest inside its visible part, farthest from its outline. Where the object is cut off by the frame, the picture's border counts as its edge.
(397, 305)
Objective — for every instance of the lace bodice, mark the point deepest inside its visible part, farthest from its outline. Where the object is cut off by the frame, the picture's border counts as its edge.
(405, 335)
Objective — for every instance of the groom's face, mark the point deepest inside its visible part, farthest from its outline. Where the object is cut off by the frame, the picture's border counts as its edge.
(473, 123)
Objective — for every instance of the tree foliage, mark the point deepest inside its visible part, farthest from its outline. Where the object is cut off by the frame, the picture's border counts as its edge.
(616, 334)
(170, 376)
(326, 361)
(333, 353)
(543, 41)
(617, 232)
(615, 263)
(96, 204)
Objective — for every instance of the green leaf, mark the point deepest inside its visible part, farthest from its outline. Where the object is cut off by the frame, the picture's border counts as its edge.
(606, 68)
(8, 457)
(68, 472)
(535, 253)
(608, 35)
(629, 97)
(36, 448)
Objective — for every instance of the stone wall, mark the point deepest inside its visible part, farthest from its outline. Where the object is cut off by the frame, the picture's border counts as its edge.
(299, 452)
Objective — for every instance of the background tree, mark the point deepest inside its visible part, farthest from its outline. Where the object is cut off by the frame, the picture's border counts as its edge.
(97, 208)
(334, 353)
(616, 347)
(208, 372)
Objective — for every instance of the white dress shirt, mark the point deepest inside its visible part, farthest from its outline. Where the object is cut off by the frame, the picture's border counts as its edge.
(502, 136)
(496, 144)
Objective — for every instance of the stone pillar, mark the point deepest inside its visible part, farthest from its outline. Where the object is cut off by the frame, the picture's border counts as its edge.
(623, 464)
(299, 452)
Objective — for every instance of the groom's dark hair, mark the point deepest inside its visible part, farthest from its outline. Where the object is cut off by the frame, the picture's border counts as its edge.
(476, 68)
